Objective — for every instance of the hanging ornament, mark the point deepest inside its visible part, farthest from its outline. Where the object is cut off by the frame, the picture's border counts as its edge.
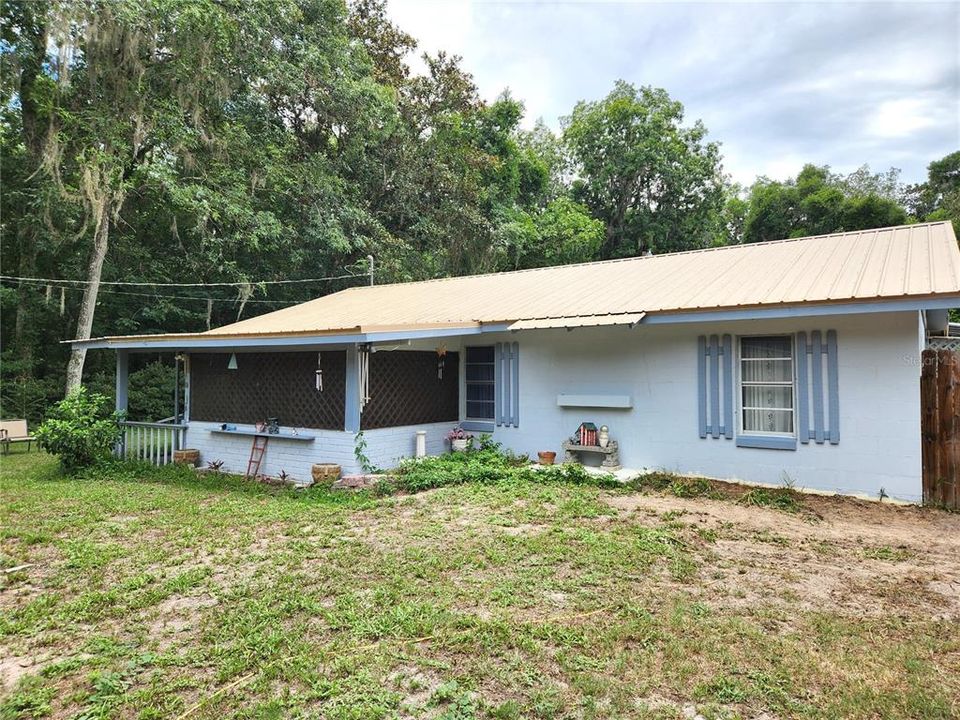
(319, 373)
(441, 358)
(364, 360)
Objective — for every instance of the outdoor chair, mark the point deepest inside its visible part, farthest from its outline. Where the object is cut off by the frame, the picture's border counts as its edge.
(14, 431)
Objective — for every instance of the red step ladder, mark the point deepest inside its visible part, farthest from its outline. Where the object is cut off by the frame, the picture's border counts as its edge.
(256, 456)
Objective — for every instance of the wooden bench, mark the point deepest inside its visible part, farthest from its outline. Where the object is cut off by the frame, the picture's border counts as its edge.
(14, 431)
(611, 460)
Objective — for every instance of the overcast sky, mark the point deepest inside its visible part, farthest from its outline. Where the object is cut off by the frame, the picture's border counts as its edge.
(778, 84)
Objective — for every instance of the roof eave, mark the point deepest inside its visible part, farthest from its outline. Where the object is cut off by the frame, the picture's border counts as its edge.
(389, 334)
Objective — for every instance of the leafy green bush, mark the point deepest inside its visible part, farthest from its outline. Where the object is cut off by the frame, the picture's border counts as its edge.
(80, 429)
(490, 466)
(150, 390)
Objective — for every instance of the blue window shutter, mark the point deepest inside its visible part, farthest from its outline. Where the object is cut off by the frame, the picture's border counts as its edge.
(833, 387)
(714, 386)
(515, 374)
(817, 360)
(728, 386)
(803, 392)
(505, 418)
(497, 376)
(702, 384)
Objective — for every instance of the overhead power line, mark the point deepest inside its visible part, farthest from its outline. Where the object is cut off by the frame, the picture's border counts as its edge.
(238, 284)
(183, 297)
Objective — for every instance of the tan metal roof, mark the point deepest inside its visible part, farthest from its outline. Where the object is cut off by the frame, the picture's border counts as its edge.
(921, 261)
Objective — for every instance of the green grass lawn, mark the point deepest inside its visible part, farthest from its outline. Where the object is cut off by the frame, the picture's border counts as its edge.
(173, 595)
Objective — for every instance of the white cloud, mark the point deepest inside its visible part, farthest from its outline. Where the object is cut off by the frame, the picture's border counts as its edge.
(779, 84)
(901, 118)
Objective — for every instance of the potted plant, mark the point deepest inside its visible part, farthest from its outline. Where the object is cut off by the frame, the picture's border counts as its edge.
(546, 457)
(459, 439)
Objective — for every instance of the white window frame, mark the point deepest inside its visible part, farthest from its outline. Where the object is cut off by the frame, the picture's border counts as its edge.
(793, 386)
(493, 383)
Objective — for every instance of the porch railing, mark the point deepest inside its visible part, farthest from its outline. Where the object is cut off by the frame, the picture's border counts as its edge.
(153, 442)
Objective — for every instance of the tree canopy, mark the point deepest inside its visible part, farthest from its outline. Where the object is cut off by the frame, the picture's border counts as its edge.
(244, 143)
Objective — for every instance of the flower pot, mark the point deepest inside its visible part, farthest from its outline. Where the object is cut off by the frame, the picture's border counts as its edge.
(546, 457)
(325, 473)
(186, 457)
(460, 445)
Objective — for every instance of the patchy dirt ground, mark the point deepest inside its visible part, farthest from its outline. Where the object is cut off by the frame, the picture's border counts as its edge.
(906, 559)
(219, 599)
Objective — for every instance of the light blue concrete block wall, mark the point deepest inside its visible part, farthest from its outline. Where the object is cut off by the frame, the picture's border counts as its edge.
(879, 402)
(656, 365)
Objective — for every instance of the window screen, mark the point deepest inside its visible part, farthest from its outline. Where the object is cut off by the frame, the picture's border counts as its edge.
(480, 374)
(766, 384)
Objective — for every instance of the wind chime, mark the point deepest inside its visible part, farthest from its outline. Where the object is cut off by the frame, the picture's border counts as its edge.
(364, 359)
(319, 378)
(441, 358)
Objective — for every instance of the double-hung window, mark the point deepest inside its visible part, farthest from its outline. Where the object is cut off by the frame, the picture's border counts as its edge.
(767, 385)
(480, 379)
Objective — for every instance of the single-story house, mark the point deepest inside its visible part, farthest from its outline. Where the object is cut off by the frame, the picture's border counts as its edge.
(789, 361)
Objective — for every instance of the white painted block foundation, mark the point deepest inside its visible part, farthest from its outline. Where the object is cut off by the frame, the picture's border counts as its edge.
(385, 448)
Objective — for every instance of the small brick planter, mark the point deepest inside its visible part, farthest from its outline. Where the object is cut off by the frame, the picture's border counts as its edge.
(325, 473)
(186, 457)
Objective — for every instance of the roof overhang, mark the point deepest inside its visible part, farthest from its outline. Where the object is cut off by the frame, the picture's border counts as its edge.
(577, 321)
(377, 334)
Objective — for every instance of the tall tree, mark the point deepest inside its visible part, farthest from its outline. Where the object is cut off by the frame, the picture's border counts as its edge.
(25, 31)
(818, 202)
(656, 184)
(200, 103)
(939, 197)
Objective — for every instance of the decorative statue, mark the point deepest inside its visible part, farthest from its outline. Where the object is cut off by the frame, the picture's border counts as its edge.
(603, 437)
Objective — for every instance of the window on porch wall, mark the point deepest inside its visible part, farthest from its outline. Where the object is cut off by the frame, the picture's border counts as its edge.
(480, 383)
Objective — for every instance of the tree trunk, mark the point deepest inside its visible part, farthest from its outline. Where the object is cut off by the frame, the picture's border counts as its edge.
(89, 302)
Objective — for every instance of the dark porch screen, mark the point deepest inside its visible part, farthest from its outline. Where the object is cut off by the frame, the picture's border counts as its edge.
(405, 389)
(281, 385)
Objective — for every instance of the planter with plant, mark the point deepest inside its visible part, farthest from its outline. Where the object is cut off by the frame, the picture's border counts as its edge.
(460, 439)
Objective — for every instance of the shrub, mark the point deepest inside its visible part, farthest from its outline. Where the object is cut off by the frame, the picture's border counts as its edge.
(488, 466)
(80, 430)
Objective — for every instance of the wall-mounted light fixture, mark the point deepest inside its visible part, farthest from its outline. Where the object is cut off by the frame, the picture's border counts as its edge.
(232, 365)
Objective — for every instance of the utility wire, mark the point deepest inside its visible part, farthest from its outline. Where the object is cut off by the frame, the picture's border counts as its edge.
(184, 297)
(61, 281)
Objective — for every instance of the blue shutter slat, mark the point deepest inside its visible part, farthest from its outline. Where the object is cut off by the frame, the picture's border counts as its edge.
(728, 386)
(505, 360)
(714, 386)
(817, 360)
(702, 384)
(497, 378)
(833, 387)
(515, 374)
(803, 392)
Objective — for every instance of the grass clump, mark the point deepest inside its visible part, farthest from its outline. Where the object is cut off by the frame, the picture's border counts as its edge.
(783, 499)
(681, 486)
